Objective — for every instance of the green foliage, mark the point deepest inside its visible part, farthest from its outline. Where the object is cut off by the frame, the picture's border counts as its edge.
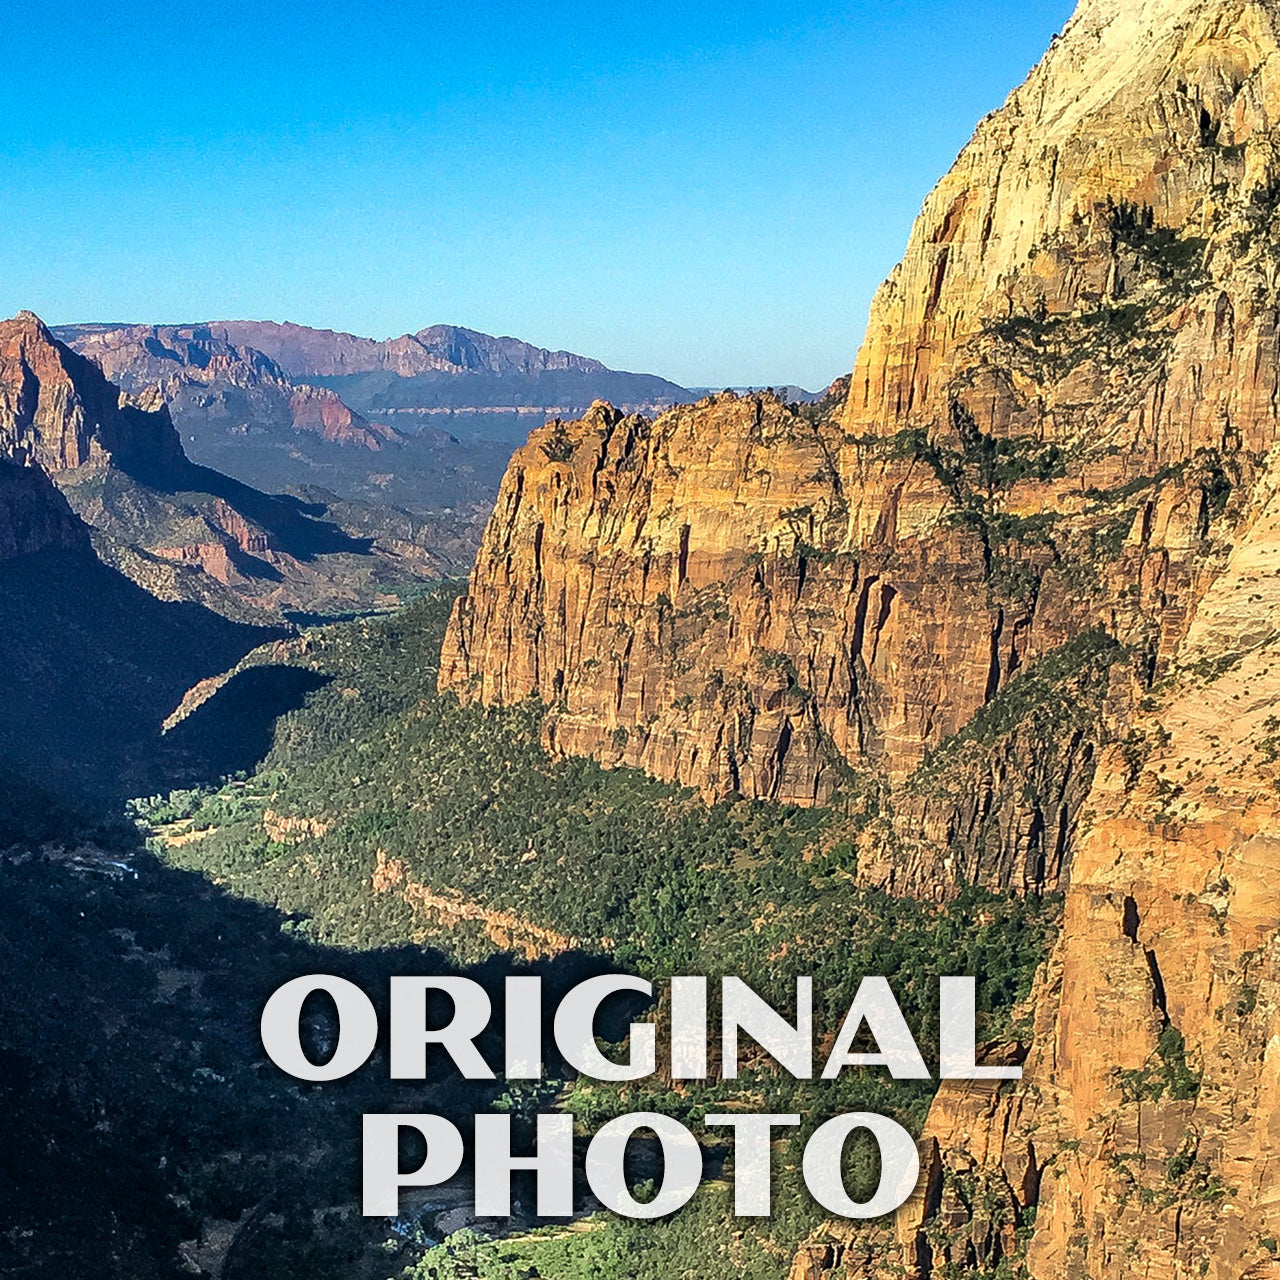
(1058, 691)
(559, 448)
(467, 804)
(1170, 1074)
(978, 476)
(137, 1101)
(1174, 258)
(983, 464)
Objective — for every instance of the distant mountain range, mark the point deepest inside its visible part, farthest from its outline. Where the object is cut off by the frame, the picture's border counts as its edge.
(129, 572)
(425, 421)
(441, 348)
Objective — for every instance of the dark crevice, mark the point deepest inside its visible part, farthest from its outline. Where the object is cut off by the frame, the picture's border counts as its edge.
(1131, 920)
(1157, 988)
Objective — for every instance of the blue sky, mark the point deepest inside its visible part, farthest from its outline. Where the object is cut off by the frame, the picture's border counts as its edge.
(707, 191)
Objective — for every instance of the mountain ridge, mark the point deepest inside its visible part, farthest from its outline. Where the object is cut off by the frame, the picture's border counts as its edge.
(303, 351)
(318, 407)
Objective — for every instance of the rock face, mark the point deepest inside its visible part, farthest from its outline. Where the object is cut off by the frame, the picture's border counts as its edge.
(1015, 594)
(58, 411)
(183, 532)
(1141, 1139)
(320, 410)
(1065, 391)
(210, 384)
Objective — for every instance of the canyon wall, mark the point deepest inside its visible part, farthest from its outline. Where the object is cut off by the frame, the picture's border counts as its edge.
(1064, 396)
(184, 532)
(59, 412)
(210, 383)
(1011, 598)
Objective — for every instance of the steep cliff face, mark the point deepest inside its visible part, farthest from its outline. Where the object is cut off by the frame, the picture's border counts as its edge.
(1016, 596)
(58, 411)
(1147, 117)
(34, 516)
(1062, 401)
(180, 531)
(1141, 1140)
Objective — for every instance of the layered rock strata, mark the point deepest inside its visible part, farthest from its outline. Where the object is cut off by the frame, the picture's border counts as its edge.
(1016, 597)
(183, 532)
(208, 381)
(1062, 401)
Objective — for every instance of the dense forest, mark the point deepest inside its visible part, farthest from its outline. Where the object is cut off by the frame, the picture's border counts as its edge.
(386, 818)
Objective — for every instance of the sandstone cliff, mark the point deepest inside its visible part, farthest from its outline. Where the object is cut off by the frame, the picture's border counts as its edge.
(184, 532)
(1014, 597)
(1064, 395)
(1141, 1140)
(58, 411)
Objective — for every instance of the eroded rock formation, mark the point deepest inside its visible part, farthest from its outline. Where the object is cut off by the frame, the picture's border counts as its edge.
(1015, 596)
(1065, 392)
(183, 532)
(58, 411)
(209, 382)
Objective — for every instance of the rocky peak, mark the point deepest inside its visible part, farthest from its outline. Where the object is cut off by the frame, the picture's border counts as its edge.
(1067, 389)
(1129, 156)
(141, 355)
(207, 379)
(58, 411)
(465, 349)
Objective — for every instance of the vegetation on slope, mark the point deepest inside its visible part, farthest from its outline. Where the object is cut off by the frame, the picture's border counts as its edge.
(386, 813)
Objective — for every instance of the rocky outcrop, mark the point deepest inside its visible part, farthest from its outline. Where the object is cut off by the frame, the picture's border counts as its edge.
(741, 597)
(1016, 597)
(34, 516)
(180, 531)
(322, 411)
(449, 910)
(211, 384)
(1141, 1139)
(58, 411)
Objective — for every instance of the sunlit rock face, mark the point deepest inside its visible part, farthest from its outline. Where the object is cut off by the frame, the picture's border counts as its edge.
(1013, 594)
(1066, 389)
(58, 411)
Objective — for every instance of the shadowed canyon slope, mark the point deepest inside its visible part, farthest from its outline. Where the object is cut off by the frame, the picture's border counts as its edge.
(93, 661)
(187, 532)
(1010, 594)
(422, 424)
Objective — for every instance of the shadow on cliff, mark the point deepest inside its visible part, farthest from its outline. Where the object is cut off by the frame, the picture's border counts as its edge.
(296, 528)
(93, 665)
(232, 732)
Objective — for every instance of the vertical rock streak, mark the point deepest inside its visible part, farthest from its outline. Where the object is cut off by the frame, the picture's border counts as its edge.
(1024, 578)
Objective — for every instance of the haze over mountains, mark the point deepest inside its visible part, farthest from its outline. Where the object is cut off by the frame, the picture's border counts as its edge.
(283, 406)
(973, 663)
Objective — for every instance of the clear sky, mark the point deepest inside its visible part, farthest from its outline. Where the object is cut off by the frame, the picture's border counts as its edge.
(710, 191)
